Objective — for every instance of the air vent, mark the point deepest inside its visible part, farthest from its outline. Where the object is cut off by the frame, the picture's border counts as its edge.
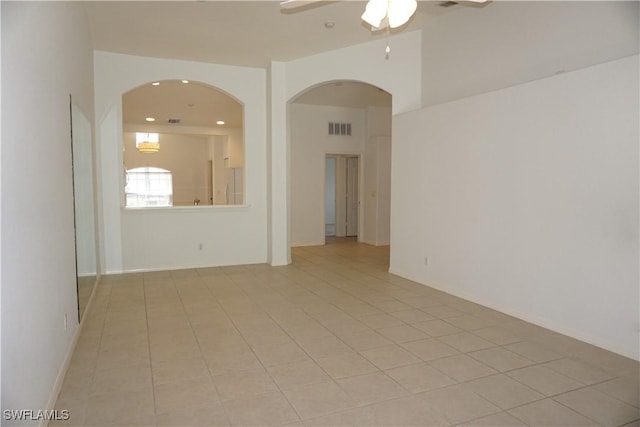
(343, 129)
(173, 121)
(448, 3)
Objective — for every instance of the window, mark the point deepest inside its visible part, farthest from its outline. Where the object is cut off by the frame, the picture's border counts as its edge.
(149, 187)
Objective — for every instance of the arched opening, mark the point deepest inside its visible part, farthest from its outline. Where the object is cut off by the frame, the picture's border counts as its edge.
(193, 130)
(340, 164)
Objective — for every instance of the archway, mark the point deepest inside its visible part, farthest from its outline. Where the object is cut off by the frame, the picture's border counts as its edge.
(340, 120)
(192, 129)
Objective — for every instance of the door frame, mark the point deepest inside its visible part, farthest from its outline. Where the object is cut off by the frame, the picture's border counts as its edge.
(360, 183)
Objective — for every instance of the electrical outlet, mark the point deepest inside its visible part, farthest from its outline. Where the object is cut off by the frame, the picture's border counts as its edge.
(426, 260)
(65, 322)
(199, 246)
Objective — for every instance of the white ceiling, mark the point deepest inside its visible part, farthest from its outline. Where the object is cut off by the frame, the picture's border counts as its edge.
(247, 33)
(193, 103)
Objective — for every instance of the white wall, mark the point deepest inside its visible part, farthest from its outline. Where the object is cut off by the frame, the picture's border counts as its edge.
(526, 200)
(471, 50)
(173, 239)
(46, 55)
(377, 177)
(310, 143)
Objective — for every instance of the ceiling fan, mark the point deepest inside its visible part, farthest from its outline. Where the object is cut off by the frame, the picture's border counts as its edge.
(379, 14)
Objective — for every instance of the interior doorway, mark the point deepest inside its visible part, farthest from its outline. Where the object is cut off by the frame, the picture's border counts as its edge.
(342, 200)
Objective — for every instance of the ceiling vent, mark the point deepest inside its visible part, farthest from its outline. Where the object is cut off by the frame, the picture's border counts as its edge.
(448, 3)
(173, 121)
(343, 129)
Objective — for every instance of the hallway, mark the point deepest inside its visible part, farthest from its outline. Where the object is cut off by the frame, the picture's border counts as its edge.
(332, 339)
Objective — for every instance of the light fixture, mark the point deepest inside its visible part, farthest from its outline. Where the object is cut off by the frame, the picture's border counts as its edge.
(185, 81)
(150, 119)
(155, 84)
(393, 13)
(147, 142)
(220, 122)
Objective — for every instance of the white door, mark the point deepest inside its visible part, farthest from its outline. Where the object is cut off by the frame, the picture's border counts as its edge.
(352, 196)
(330, 197)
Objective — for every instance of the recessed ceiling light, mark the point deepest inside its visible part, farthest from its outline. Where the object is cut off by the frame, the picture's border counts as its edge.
(185, 81)
(155, 84)
(150, 119)
(329, 25)
(220, 122)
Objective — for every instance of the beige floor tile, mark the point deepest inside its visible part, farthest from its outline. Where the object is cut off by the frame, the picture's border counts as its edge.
(269, 409)
(419, 377)
(600, 407)
(533, 351)
(210, 415)
(178, 395)
(184, 328)
(382, 320)
(371, 388)
(279, 354)
(128, 379)
(550, 413)
(299, 373)
(402, 333)
(471, 323)
(391, 306)
(238, 385)
(466, 342)
(544, 380)
(443, 311)
(501, 359)
(76, 412)
(122, 408)
(437, 328)
(177, 370)
(458, 403)
(324, 346)
(412, 316)
(626, 391)
(345, 365)
(365, 340)
(166, 353)
(408, 411)
(501, 419)
(497, 335)
(358, 417)
(229, 361)
(314, 400)
(504, 392)
(389, 357)
(133, 355)
(462, 367)
(430, 349)
(579, 371)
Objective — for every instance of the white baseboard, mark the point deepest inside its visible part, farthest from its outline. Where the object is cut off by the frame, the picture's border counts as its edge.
(62, 372)
(544, 323)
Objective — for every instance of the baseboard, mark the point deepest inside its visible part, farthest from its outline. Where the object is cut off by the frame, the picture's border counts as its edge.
(184, 267)
(62, 372)
(544, 323)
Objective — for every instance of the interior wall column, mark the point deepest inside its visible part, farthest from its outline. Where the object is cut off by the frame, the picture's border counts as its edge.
(279, 251)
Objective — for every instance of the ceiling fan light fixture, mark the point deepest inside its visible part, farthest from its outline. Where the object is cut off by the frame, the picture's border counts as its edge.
(400, 11)
(375, 12)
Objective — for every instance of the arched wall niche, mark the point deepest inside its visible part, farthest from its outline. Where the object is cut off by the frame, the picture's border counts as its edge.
(188, 236)
(201, 141)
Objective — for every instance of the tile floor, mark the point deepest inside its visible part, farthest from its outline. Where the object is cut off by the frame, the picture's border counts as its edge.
(330, 340)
